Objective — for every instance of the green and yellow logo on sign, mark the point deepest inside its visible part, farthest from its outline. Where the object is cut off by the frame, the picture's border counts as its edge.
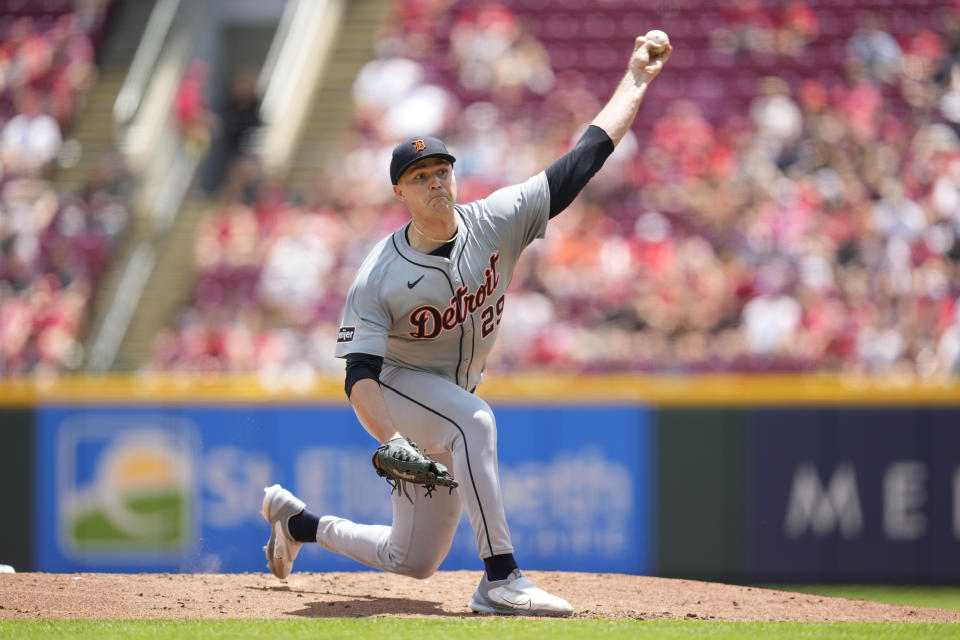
(127, 486)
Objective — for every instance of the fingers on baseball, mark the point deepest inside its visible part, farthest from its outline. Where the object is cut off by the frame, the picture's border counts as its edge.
(657, 49)
(664, 54)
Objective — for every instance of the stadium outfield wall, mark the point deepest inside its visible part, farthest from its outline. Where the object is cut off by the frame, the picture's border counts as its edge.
(733, 478)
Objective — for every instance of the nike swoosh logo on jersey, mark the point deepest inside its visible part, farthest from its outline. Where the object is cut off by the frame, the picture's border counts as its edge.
(411, 285)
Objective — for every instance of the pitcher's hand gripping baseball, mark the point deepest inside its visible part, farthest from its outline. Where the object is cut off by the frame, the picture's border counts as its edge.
(650, 53)
(400, 461)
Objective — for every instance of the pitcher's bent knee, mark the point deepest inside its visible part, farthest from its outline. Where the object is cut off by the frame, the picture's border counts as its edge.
(418, 562)
(482, 427)
(420, 572)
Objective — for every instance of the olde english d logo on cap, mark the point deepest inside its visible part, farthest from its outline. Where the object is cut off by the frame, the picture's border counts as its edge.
(419, 145)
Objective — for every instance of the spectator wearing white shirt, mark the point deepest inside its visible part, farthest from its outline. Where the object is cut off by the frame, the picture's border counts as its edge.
(31, 139)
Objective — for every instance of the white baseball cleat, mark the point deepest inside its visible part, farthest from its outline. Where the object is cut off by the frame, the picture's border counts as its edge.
(279, 505)
(516, 595)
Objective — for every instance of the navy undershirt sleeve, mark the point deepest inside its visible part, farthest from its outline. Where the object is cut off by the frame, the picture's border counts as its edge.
(360, 366)
(571, 172)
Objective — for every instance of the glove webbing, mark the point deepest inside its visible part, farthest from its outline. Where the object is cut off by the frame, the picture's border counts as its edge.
(399, 486)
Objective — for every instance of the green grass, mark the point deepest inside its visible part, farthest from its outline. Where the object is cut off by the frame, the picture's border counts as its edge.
(917, 596)
(486, 629)
(517, 629)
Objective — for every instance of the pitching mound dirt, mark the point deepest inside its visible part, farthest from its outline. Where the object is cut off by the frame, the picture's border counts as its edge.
(446, 594)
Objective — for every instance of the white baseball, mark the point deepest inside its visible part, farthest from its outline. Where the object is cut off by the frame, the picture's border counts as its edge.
(657, 41)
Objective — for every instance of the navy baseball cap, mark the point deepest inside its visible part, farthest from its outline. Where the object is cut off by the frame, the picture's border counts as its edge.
(413, 149)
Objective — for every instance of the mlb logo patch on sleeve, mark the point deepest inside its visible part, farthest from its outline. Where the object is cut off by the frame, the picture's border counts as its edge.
(346, 334)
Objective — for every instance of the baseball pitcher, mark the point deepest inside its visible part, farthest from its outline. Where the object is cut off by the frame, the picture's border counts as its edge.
(420, 320)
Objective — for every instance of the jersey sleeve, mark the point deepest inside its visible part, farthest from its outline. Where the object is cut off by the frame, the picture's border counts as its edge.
(520, 212)
(366, 320)
(571, 172)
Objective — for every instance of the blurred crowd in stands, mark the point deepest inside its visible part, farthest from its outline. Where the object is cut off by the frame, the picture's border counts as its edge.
(809, 222)
(53, 245)
(789, 199)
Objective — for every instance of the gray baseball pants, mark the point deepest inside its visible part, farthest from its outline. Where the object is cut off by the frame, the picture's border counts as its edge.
(457, 429)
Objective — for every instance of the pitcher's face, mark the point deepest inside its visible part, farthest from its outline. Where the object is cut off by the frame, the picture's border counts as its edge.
(428, 187)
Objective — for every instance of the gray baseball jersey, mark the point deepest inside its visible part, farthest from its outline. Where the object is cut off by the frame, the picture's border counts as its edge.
(437, 314)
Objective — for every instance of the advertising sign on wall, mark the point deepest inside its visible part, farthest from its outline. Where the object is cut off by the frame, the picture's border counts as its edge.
(855, 494)
(160, 489)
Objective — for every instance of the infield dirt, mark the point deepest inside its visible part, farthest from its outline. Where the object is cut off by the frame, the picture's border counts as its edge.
(259, 595)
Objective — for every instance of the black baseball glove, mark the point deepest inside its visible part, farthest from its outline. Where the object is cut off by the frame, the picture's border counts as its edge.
(400, 461)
